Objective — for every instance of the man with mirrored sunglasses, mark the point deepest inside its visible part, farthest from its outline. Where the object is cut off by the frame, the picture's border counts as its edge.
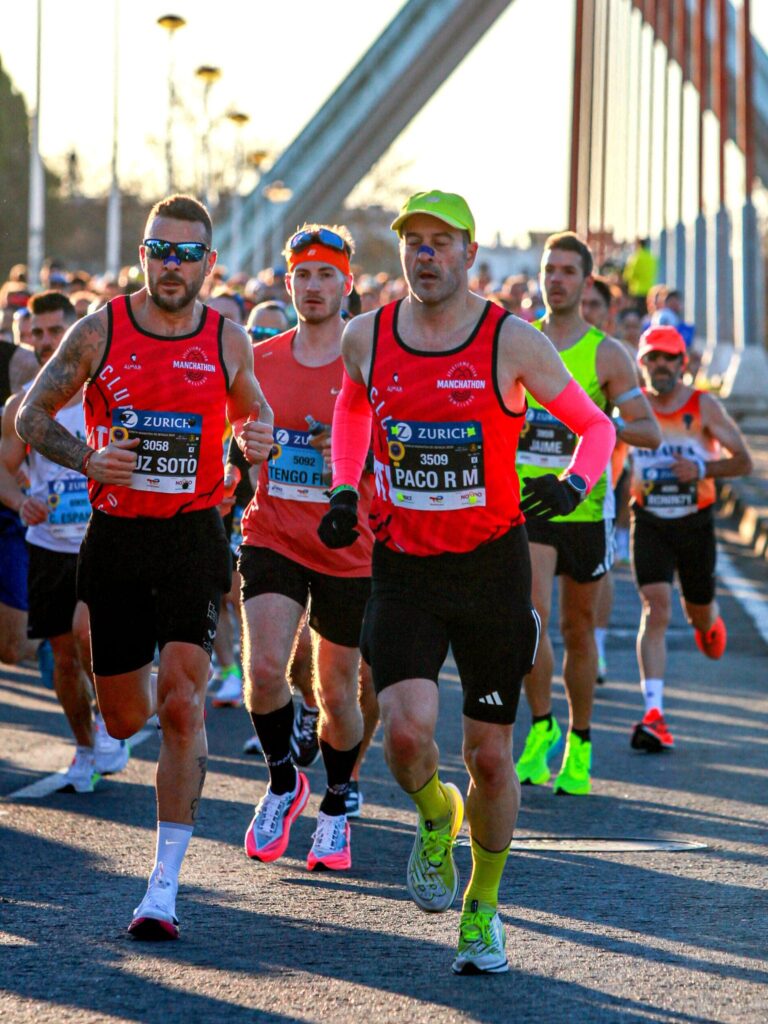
(284, 565)
(161, 371)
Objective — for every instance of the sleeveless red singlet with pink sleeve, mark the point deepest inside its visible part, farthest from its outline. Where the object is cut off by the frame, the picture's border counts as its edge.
(444, 443)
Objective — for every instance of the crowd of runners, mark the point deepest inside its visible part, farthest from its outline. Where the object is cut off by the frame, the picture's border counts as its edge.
(352, 481)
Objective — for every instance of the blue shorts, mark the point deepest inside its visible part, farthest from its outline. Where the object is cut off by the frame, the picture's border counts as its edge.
(14, 561)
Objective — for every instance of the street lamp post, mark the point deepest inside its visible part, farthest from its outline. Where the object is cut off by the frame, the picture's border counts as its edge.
(171, 23)
(113, 204)
(207, 75)
(36, 225)
(239, 120)
(277, 193)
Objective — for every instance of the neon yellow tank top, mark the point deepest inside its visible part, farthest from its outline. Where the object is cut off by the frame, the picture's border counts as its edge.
(546, 445)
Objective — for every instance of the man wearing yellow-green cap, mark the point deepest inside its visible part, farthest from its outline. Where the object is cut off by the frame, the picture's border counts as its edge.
(441, 375)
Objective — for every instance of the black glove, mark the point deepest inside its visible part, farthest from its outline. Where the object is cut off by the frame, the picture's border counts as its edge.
(337, 527)
(547, 496)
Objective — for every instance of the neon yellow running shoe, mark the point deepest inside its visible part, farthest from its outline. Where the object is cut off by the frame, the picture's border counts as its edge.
(542, 743)
(481, 942)
(432, 877)
(574, 778)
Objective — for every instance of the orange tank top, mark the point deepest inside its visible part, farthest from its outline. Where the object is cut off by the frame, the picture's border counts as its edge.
(654, 485)
(290, 496)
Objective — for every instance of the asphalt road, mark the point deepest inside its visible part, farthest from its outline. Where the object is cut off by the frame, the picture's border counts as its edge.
(595, 934)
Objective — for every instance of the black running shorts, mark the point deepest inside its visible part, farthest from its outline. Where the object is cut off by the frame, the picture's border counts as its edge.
(660, 547)
(478, 603)
(52, 592)
(336, 603)
(584, 550)
(151, 581)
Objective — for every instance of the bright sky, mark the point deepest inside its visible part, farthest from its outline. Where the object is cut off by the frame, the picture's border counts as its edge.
(509, 99)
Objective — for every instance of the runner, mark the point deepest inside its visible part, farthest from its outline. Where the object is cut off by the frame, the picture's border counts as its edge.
(442, 374)
(577, 547)
(284, 565)
(55, 512)
(673, 526)
(160, 372)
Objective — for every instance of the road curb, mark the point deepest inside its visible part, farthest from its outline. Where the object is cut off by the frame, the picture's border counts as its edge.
(745, 506)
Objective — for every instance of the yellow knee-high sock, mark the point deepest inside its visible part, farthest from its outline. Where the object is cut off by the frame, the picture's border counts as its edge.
(432, 801)
(487, 869)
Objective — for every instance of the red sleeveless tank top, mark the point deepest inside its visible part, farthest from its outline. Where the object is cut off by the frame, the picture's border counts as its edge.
(444, 444)
(171, 393)
(290, 497)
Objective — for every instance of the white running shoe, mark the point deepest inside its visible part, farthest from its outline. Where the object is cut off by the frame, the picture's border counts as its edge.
(253, 745)
(230, 693)
(81, 776)
(331, 843)
(481, 942)
(154, 920)
(111, 754)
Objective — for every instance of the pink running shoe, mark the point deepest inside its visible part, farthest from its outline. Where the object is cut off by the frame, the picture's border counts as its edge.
(331, 844)
(268, 834)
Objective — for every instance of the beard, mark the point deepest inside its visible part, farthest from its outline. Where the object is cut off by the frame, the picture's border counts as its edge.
(663, 383)
(179, 300)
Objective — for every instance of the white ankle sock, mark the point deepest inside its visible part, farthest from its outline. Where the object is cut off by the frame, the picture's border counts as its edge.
(600, 635)
(653, 692)
(172, 842)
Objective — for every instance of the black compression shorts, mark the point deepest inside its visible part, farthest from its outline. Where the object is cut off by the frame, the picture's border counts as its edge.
(148, 582)
(52, 592)
(660, 547)
(336, 603)
(478, 603)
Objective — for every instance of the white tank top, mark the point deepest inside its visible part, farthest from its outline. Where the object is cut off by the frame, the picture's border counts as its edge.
(65, 491)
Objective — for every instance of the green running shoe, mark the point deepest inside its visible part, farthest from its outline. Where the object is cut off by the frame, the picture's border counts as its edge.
(542, 743)
(574, 778)
(432, 877)
(481, 942)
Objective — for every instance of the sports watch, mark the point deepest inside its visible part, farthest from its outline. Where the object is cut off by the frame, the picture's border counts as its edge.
(578, 484)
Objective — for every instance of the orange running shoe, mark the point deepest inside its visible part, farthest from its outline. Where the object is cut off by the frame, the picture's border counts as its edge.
(652, 733)
(712, 643)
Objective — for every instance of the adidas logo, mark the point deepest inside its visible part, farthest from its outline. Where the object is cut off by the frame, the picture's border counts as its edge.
(492, 698)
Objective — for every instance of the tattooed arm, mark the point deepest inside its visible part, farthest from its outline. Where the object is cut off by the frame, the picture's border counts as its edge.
(74, 362)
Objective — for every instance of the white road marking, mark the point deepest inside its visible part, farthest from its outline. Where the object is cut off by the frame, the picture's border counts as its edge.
(751, 597)
(50, 783)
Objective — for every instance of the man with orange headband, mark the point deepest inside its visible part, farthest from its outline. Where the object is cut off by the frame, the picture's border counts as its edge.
(442, 376)
(673, 526)
(284, 565)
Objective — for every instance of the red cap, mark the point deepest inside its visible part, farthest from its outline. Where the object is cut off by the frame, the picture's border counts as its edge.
(661, 339)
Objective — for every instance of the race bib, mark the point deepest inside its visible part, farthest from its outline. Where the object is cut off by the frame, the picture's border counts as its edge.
(436, 466)
(665, 495)
(69, 508)
(545, 441)
(296, 470)
(168, 455)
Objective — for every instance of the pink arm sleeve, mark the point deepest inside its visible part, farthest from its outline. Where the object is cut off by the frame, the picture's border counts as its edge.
(350, 433)
(578, 412)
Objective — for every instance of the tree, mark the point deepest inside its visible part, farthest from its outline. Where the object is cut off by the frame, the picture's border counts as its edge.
(14, 175)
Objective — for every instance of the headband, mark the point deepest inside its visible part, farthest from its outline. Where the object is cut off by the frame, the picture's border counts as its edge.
(319, 253)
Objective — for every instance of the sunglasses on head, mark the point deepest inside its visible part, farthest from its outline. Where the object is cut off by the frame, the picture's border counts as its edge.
(185, 252)
(261, 333)
(302, 239)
